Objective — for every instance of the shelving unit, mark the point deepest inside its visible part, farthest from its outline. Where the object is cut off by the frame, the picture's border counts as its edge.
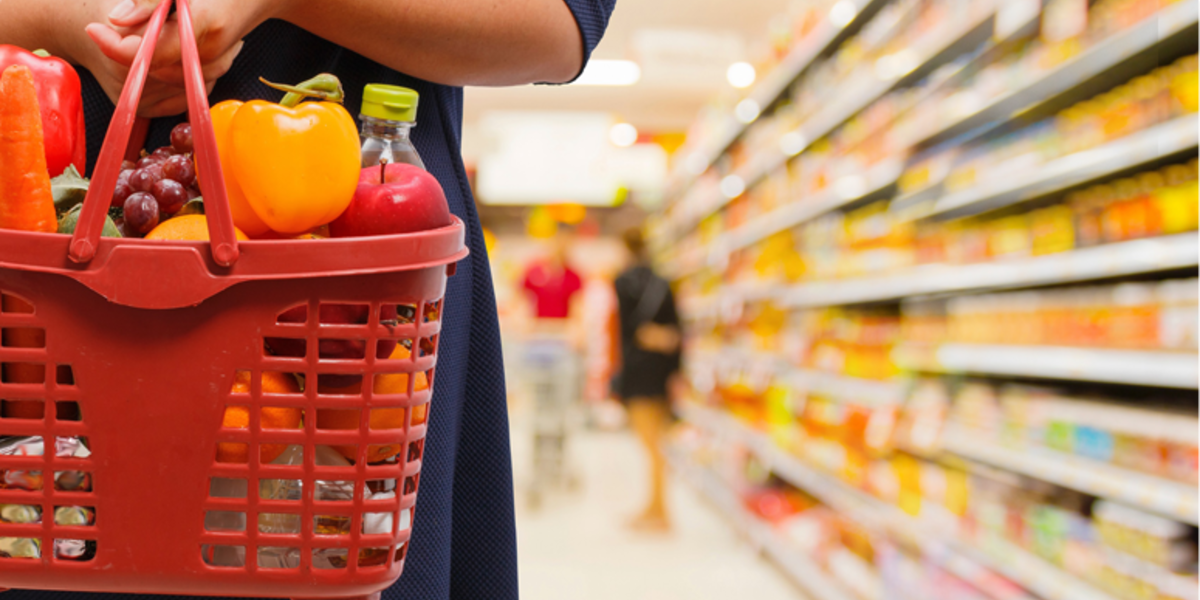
(1130, 367)
(1106, 55)
(803, 572)
(845, 104)
(1156, 143)
(842, 387)
(1110, 260)
(1134, 257)
(1169, 498)
(1123, 47)
(720, 266)
(828, 35)
(938, 544)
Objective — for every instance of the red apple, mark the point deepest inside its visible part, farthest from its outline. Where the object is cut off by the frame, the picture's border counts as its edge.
(339, 314)
(393, 198)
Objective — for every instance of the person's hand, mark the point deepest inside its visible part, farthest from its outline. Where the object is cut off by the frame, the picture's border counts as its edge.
(219, 25)
(59, 28)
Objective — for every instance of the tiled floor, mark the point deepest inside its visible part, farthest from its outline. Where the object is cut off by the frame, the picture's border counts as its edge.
(574, 547)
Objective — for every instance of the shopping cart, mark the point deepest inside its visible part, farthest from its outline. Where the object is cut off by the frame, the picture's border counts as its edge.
(555, 382)
(146, 339)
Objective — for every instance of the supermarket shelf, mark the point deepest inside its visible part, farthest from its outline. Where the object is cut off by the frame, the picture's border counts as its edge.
(1134, 367)
(1035, 574)
(843, 192)
(841, 387)
(936, 542)
(1170, 498)
(1106, 55)
(1110, 260)
(1154, 143)
(930, 51)
(862, 94)
(776, 83)
(802, 571)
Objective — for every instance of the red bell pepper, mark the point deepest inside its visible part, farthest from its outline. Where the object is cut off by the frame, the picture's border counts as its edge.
(61, 103)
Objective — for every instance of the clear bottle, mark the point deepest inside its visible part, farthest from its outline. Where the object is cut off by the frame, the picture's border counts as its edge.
(388, 115)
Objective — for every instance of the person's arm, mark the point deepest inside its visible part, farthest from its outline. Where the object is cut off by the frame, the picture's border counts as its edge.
(453, 42)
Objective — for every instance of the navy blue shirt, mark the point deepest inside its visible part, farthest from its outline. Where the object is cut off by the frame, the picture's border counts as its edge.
(464, 536)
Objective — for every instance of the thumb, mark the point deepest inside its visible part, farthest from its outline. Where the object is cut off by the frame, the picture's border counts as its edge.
(131, 13)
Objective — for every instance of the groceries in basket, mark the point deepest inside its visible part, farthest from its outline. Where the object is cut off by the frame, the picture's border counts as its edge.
(291, 169)
(34, 480)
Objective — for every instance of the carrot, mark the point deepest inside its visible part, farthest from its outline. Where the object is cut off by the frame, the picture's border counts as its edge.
(25, 199)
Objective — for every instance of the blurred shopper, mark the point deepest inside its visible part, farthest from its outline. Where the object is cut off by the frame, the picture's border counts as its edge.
(552, 364)
(553, 286)
(650, 340)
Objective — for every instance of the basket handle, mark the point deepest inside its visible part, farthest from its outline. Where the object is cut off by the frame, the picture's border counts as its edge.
(208, 166)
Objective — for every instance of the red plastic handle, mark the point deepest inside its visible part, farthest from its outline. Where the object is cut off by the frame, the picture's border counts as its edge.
(208, 166)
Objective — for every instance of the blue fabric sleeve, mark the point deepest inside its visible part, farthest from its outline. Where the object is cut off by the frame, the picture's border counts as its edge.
(592, 18)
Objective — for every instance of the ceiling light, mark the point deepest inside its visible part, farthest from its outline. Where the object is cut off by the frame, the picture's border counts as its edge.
(746, 111)
(623, 135)
(740, 74)
(609, 72)
(732, 186)
(843, 12)
(792, 143)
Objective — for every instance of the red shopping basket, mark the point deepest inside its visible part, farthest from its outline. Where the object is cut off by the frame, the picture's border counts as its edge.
(146, 338)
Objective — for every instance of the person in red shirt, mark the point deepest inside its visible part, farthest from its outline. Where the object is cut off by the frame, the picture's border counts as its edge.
(552, 283)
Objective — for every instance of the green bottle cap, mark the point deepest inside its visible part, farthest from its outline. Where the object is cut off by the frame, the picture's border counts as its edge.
(390, 102)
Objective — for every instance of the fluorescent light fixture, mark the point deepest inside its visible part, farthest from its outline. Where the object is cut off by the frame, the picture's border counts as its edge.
(696, 164)
(732, 186)
(843, 12)
(609, 72)
(741, 74)
(792, 143)
(746, 111)
(623, 135)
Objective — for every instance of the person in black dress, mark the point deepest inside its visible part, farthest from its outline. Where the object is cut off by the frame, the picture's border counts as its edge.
(650, 357)
(464, 539)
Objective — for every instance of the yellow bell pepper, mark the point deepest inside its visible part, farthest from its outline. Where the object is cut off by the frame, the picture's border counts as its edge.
(288, 167)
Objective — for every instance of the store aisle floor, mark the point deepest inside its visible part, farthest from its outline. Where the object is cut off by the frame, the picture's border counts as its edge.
(575, 546)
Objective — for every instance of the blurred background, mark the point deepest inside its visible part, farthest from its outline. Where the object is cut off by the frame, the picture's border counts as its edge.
(932, 268)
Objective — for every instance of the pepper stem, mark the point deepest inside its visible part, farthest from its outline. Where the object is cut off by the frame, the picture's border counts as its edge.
(325, 86)
(382, 170)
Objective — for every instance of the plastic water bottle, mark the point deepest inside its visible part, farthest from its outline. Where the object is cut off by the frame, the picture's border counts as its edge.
(388, 115)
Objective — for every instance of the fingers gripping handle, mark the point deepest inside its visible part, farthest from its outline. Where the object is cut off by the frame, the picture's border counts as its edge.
(95, 206)
(104, 178)
(208, 164)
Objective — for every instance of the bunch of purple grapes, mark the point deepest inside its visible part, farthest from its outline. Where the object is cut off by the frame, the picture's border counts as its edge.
(157, 185)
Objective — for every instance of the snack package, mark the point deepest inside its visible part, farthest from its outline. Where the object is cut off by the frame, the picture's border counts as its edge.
(326, 525)
(292, 489)
(64, 447)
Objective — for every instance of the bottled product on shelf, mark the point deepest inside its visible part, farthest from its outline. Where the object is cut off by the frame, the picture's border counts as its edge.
(1150, 315)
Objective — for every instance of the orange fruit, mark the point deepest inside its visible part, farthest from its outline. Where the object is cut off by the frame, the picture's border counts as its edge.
(381, 418)
(271, 417)
(186, 227)
(316, 233)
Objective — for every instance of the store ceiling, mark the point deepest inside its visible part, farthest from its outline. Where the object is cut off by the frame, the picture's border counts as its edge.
(683, 47)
